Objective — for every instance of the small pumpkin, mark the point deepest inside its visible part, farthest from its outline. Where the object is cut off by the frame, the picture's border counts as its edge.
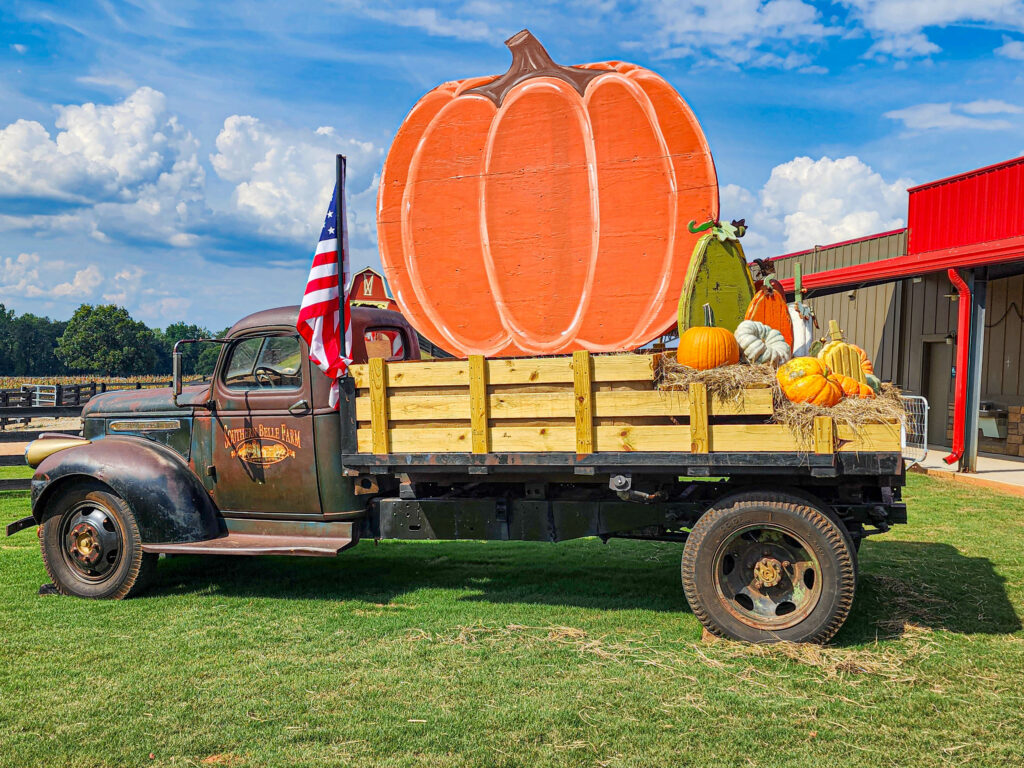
(874, 382)
(809, 380)
(705, 347)
(843, 357)
(761, 343)
(768, 304)
(853, 388)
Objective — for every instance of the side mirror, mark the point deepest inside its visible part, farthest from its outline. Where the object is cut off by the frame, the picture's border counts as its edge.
(176, 371)
(176, 374)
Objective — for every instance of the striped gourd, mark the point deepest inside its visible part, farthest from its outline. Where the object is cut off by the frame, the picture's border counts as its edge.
(843, 357)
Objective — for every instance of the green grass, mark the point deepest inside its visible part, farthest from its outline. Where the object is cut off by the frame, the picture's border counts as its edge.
(12, 473)
(508, 654)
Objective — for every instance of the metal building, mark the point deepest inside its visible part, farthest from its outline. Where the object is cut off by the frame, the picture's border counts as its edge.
(938, 305)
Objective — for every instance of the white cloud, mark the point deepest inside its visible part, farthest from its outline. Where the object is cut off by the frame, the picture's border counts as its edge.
(460, 24)
(130, 166)
(1011, 49)
(898, 25)
(736, 32)
(19, 48)
(283, 178)
(991, 107)
(947, 116)
(27, 276)
(807, 202)
(101, 152)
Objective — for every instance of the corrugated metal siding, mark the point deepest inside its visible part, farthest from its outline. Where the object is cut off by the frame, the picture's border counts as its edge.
(983, 205)
(872, 318)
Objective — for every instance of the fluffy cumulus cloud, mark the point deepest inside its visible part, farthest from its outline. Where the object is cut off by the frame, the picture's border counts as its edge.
(128, 170)
(899, 26)
(807, 202)
(983, 114)
(283, 178)
(26, 275)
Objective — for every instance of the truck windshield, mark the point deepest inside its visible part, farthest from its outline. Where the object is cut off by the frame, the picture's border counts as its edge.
(265, 362)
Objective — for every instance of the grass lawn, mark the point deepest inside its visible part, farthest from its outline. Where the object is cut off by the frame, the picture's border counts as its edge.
(508, 654)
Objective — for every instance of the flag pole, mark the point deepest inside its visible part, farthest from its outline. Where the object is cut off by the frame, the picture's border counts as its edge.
(341, 233)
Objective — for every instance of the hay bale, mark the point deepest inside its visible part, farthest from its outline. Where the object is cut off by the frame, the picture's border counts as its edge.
(729, 383)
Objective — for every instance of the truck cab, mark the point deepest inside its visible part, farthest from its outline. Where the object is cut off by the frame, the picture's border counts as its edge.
(246, 462)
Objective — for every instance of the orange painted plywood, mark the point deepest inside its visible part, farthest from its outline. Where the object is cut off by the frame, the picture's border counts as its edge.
(544, 211)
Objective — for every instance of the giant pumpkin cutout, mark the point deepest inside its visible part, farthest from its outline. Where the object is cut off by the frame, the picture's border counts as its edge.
(545, 210)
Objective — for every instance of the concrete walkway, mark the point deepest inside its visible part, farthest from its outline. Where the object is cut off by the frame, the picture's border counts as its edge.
(998, 474)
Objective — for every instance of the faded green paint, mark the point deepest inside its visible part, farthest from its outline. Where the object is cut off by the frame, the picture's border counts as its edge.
(718, 275)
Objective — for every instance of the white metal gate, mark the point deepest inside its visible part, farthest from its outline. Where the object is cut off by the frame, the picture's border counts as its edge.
(44, 394)
(915, 429)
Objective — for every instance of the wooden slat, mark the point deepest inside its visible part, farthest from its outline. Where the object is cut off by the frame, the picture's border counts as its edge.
(378, 406)
(583, 400)
(420, 374)
(478, 403)
(869, 437)
(750, 438)
(823, 440)
(542, 370)
(699, 433)
(554, 405)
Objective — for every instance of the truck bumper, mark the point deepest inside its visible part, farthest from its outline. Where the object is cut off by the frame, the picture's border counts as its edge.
(20, 525)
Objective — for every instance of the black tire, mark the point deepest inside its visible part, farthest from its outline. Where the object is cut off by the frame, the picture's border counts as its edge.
(765, 568)
(91, 545)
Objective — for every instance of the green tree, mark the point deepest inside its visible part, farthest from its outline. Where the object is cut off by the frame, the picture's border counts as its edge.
(174, 333)
(208, 354)
(6, 341)
(27, 344)
(105, 339)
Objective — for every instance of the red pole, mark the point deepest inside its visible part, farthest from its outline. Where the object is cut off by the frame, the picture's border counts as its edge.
(963, 343)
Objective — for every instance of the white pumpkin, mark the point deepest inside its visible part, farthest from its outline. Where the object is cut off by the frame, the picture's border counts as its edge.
(803, 328)
(761, 343)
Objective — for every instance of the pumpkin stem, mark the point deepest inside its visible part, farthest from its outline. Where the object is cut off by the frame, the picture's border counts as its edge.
(531, 59)
(709, 316)
(833, 331)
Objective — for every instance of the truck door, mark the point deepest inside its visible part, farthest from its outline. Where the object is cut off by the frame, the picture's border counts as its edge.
(263, 448)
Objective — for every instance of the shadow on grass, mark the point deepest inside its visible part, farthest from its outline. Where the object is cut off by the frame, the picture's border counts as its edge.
(920, 583)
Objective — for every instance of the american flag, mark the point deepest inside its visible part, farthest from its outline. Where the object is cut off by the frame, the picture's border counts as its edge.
(318, 316)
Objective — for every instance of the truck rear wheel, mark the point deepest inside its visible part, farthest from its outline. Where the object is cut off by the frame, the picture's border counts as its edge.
(91, 545)
(766, 568)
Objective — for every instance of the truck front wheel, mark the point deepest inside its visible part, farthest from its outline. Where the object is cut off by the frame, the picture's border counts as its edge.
(91, 544)
(766, 568)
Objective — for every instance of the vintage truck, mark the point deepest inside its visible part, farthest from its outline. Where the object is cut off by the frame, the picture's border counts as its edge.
(255, 462)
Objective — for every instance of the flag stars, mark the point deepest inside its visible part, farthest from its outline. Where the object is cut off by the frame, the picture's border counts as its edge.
(330, 230)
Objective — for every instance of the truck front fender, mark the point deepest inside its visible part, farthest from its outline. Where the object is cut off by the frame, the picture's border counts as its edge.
(169, 502)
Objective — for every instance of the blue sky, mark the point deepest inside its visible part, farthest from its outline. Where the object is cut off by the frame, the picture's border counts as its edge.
(176, 157)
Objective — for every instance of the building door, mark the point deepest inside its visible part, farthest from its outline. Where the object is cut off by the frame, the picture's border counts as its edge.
(937, 386)
(263, 439)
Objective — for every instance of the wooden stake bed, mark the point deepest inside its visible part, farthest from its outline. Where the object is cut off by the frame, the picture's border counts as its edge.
(586, 405)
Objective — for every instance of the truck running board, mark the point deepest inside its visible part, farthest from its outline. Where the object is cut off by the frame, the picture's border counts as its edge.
(245, 537)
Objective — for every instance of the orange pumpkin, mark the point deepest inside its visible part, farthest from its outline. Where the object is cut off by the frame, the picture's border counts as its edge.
(704, 347)
(514, 211)
(769, 307)
(808, 380)
(853, 388)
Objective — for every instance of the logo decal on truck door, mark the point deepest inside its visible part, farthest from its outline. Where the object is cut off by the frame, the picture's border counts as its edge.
(263, 445)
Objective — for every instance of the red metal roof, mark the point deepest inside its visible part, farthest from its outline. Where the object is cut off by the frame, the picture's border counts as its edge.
(975, 207)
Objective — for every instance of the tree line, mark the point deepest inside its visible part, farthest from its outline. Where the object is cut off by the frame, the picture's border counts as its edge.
(98, 339)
